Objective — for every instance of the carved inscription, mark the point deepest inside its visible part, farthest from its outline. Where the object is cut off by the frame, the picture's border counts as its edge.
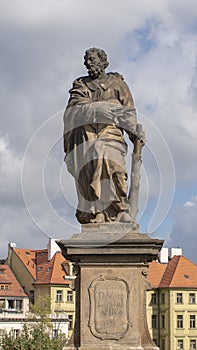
(109, 311)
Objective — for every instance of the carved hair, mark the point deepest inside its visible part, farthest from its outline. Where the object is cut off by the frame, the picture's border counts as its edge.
(101, 54)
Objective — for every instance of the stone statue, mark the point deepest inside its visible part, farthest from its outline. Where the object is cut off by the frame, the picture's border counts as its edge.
(99, 111)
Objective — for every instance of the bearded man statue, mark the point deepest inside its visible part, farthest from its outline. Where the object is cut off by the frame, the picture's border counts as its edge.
(100, 109)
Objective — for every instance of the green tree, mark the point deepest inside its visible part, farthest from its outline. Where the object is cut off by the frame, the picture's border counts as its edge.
(36, 331)
(41, 311)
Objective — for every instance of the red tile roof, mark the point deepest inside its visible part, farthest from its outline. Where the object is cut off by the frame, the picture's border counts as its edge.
(185, 273)
(27, 256)
(155, 273)
(180, 272)
(43, 271)
(58, 272)
(169, 273)
(7, 277)
(50, 272)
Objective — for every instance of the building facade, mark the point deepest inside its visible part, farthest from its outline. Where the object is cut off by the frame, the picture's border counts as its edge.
(14, 302)
(172, 303)
(43, 273)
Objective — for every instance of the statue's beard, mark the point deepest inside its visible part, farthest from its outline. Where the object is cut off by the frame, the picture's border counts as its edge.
(94, 70)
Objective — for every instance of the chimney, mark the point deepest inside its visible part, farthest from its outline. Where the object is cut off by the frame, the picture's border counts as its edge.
(52, 248)
(163, 256)
(11, 245)
(175, 251)
(70, 266)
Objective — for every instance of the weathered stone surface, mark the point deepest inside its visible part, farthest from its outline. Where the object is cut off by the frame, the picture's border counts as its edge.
(109, 307)
(110, 256)
(111, 286)
(100, 109)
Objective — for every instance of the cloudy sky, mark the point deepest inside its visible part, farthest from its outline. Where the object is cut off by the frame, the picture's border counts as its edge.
(153, 44)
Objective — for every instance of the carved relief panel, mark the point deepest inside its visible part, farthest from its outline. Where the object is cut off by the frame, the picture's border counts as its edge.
(109, 307)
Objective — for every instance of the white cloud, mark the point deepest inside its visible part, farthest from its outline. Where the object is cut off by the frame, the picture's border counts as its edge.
(184, 229)
(37, 12)
(189, 204)
(153, 44)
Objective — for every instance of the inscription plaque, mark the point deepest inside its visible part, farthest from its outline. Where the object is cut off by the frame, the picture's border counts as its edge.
(109, 307)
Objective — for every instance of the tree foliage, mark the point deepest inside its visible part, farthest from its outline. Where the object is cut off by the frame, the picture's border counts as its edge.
(41, 310)
(31, 337)
(36, 331)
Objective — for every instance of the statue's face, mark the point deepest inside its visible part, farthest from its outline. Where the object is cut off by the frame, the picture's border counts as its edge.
(93, 64)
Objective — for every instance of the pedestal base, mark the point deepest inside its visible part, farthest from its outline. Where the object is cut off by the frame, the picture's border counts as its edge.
(116, 347)
(111, 288)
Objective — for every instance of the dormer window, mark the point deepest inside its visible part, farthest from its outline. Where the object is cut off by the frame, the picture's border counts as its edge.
(4, 286)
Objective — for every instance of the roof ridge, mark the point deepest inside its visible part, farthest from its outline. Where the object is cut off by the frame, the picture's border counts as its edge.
(169, 271)
(163, 272)
(36, 263)
(16, 250)
(25, 249)
(177, 263)
(53, 264)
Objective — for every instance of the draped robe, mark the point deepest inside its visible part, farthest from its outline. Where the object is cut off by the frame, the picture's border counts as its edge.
(94, 122)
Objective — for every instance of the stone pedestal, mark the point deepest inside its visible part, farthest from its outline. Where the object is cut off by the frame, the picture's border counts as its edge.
(111, 261)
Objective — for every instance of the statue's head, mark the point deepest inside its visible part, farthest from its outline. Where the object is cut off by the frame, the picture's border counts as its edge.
(95, 61)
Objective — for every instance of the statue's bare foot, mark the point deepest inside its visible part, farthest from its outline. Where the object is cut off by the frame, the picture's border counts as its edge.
(126, 218)
(100, 218)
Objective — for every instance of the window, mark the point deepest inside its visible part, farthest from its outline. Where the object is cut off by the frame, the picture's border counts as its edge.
(162, 298)
(70, 317)
(31, 296)
(154, 298)
(192, 344)
(180, 321)
(2, 304)
(69, 295)
(55, 333)
(19, 305)
(162, 344)
(192, 322)
(59, 296)
(154, 321)
(179, 298)
(16, 332)
(192, 298)
(4, 286)
(11, 304)
(179, 344)
(162, 321)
